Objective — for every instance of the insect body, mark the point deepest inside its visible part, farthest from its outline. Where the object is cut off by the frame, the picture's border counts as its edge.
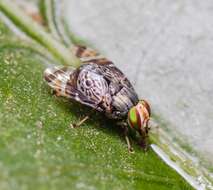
(99, 84)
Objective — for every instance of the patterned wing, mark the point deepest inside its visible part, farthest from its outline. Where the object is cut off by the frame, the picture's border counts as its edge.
(105, 66)
(64, 82)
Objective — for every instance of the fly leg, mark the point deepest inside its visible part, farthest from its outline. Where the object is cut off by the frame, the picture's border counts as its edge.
(56, 93)
(125, 130)
(75, 125)
(87, 117)
(144, 139)
(130, 149)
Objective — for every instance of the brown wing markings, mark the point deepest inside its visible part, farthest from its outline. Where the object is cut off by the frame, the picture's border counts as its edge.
(49, 78)
(88, 55)
(84, 52)
(99, 61)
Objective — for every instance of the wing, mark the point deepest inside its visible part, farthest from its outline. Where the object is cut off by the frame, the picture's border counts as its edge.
(63, 82)
(103, 65)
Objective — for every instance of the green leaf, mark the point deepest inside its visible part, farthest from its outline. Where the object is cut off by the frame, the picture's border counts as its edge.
(39, 150)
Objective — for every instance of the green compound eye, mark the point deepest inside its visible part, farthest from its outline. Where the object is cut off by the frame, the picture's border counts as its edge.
(133, 118)
(133, 115)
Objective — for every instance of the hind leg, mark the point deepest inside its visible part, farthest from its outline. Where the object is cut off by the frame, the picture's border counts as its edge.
(56, 93)
(75, 125)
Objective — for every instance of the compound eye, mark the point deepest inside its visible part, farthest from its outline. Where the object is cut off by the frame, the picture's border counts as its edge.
(134, 118)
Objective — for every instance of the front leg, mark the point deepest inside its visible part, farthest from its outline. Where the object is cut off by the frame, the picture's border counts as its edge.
(144, 139)
(124, 126)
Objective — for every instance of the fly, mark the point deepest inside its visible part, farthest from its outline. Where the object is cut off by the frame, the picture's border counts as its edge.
(99, 84)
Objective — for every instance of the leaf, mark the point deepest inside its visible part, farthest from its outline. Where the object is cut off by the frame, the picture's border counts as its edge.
(39, 150)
